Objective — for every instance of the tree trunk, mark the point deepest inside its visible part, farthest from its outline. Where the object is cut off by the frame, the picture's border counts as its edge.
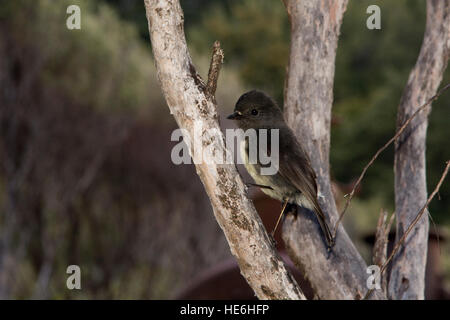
(190, 103)
(315, 26)
(407, 278)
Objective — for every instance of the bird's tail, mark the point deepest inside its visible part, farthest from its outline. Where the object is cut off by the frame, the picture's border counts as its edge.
(325, 229)
(314, 206)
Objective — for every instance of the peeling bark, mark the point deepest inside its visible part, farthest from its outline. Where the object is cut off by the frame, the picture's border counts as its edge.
(308, 100)
(189, 100)
(407, 278)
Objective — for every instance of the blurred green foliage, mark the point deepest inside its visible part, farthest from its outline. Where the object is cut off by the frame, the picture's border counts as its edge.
(80, 62)
(372, 68)
(133, 11)
(255, 38)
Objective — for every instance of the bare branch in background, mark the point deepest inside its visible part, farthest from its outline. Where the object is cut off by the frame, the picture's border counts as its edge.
(189, 102)
(407, 278)
(315, 26)
(379, 151)
(214, 69)
(413, 224)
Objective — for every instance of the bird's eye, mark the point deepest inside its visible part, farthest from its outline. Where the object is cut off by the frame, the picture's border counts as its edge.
(254, 112)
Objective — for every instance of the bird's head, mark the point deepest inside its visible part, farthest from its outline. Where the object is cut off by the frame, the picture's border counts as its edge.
(256, 110)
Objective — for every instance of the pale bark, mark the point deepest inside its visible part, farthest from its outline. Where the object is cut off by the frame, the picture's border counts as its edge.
(189, 102)
(407, 278)
(315, 26)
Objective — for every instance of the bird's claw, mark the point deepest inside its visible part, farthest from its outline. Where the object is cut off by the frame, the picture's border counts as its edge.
(272, 239)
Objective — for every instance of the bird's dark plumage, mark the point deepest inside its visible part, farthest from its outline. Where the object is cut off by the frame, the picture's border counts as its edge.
(295, 180)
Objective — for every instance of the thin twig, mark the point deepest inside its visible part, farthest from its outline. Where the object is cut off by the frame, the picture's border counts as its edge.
(413, 223)
(214, 69)
(399, 132)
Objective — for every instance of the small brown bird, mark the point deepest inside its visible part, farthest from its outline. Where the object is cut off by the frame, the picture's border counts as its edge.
(295, 181)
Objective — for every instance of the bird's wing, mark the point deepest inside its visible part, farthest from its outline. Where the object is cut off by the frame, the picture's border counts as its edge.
(295, 167)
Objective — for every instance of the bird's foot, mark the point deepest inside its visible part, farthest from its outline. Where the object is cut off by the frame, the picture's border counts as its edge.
(292, 209)
(272, 239)
(330, 245)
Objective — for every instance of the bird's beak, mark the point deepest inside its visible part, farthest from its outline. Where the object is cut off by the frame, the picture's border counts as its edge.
(235, 115)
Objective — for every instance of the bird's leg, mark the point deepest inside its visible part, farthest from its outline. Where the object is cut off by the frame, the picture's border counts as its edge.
(249, 184)
(285, 203)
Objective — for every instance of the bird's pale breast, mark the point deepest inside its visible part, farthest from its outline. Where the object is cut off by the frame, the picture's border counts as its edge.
(280, 188)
